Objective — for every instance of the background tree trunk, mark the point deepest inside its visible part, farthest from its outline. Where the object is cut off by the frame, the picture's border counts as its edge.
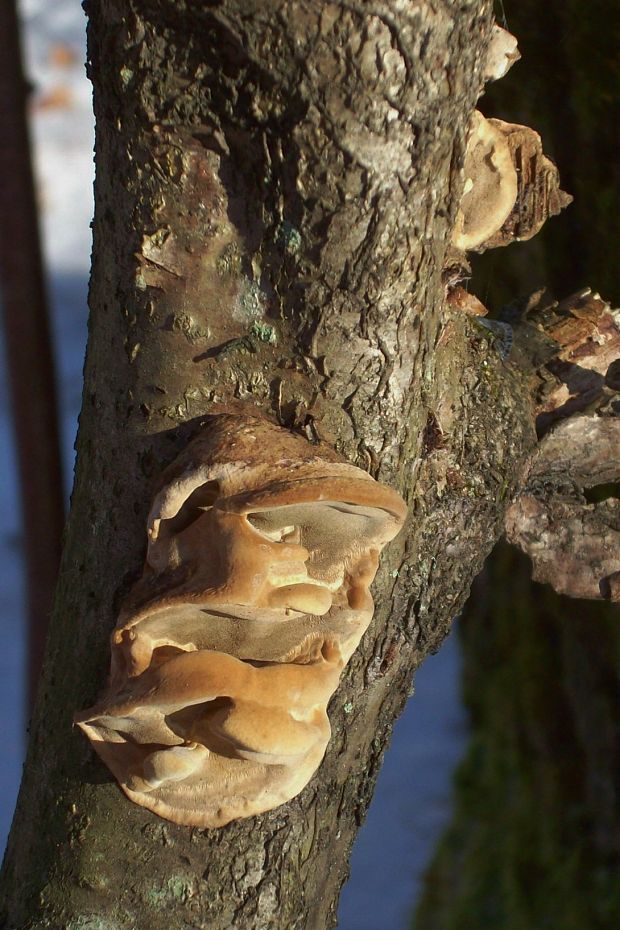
(535, 838)
(534, 841)
(276, 185)
(29, 354)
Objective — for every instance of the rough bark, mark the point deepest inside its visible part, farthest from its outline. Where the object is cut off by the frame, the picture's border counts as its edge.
(572, 535)
(566, 514)
(276, 185)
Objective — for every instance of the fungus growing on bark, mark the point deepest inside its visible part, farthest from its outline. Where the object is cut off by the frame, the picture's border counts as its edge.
(254, 596)
(502, 52)
(510, 188)
(490, 188)
(538, 195)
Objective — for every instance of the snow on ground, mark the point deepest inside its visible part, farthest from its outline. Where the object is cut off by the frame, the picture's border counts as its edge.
(411, 803)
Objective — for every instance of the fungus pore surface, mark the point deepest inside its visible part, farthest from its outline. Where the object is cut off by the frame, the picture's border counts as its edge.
(490, 188)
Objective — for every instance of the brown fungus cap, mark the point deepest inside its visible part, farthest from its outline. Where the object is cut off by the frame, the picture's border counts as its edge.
(283, 487)
(538, 189)
(490, 187)
(255, 593)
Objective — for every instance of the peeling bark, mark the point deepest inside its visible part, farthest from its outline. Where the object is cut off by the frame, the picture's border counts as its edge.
(276, 188)
(582, 374)
(573, 542)
(567, 515)
(534, 840)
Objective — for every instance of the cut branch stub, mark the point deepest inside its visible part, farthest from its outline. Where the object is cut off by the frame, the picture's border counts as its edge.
(254, 596)
(567, 520)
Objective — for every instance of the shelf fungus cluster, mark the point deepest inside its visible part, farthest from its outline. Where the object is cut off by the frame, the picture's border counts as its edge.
(510, 186)
(254, 595)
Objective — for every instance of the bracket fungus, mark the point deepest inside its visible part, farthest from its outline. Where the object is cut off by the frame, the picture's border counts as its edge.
(511, 187)
(502, 52)
(490, 188)
(254, 595)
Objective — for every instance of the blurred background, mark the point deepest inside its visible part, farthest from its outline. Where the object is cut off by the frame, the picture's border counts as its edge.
(59, 108)
(497, 804)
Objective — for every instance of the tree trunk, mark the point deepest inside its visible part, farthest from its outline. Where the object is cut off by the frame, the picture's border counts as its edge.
(276, 185)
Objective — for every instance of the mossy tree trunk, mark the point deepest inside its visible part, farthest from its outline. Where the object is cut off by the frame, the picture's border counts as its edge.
(276, 184)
